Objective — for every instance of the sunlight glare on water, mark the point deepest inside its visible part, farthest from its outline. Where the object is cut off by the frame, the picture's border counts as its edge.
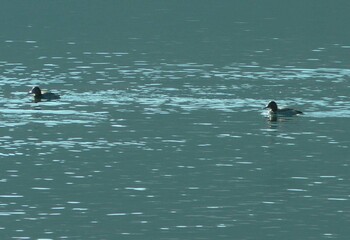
(160, 131)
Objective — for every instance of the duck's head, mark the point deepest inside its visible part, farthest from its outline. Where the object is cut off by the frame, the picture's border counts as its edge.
(272, 105)
(36, 91)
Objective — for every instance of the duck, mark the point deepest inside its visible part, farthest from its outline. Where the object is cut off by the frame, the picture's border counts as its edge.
(39, 95)
(274, 110)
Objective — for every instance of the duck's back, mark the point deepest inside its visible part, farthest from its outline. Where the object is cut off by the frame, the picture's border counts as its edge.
(288, 111)
(49, 96)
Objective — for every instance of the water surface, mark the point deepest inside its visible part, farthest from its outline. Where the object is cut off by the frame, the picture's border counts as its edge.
(160, 131)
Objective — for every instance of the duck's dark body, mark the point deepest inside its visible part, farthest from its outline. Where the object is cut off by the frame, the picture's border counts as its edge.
(281, 111)
(39, 95)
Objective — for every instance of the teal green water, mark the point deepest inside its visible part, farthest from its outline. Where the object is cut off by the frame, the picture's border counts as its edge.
(160, 131)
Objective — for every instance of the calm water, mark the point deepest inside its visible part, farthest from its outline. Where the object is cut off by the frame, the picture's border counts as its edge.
(160, 132)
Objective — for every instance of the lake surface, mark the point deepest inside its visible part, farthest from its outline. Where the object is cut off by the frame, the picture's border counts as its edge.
(160, 131)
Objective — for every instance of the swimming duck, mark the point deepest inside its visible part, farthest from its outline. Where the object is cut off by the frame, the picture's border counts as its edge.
(274, 110)
(39, 95)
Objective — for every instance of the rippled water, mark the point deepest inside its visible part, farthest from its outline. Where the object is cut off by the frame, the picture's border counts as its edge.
(148, 144)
